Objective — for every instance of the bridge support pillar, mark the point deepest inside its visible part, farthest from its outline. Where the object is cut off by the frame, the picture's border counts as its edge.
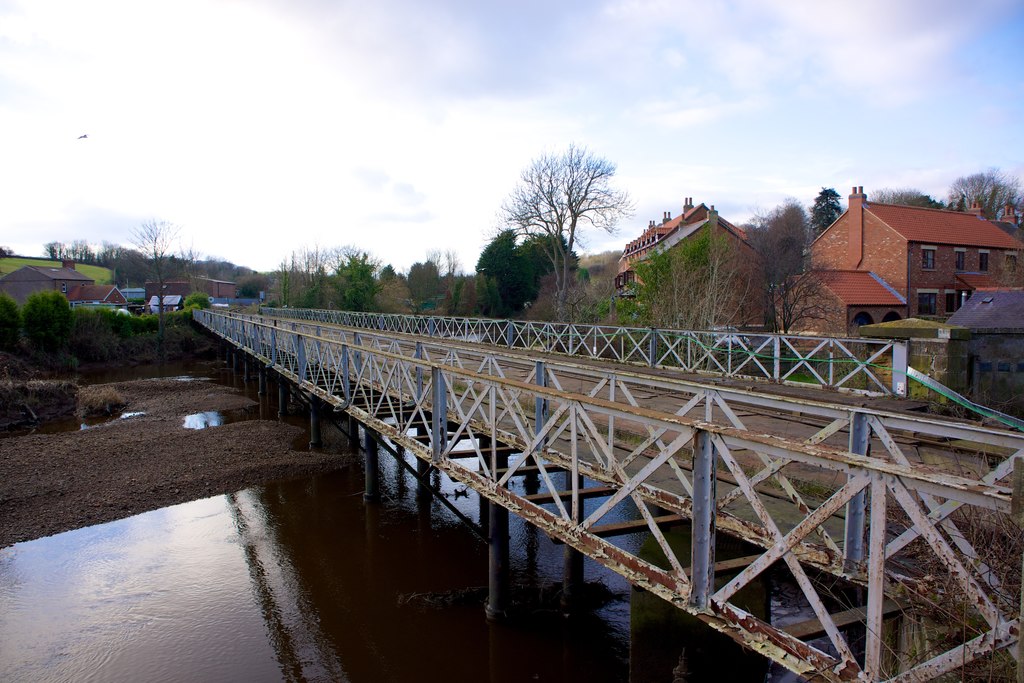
(371, 493)
(497, 564)
(572, 559)
(282, 396)
(423, 492)
(497, 558)
(262, 377)
(245, 368)
(572, 579)
(422, 486)
(353, 432)
(236, 359)
(315, 440)
(227, 354)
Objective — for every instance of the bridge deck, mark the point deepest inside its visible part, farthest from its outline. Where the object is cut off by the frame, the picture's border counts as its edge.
(835, 488)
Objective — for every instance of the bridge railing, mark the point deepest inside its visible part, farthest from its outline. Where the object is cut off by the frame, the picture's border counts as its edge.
(894, 530)
(863, 365)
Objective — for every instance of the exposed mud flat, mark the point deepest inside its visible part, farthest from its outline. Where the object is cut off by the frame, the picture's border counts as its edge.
(51, 483)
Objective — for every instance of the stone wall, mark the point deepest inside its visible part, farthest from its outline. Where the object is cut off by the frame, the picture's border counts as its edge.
(996, 360)
(987, 366)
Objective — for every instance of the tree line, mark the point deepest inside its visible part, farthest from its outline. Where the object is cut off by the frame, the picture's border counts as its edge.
(530, 266)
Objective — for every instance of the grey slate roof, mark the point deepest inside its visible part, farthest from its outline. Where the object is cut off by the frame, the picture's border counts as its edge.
(992, 309)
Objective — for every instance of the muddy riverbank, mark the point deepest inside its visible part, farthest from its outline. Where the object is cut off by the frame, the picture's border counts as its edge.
(51, 483)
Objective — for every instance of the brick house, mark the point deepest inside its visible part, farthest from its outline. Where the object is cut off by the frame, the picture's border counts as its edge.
(859, 298)
(96, 295)
(30, 279)
(931, 258)
(670, 232)
(182, 288)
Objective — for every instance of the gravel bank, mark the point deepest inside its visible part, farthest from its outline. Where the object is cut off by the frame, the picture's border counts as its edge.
(51, 483)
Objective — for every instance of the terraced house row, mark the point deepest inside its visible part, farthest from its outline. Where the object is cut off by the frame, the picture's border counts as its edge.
(876, 263)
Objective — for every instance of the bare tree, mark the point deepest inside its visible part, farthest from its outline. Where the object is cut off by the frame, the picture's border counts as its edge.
(906, 196)
(992, 190)
(791, 295)
(155, 239)
(558, 196)
(190, 258)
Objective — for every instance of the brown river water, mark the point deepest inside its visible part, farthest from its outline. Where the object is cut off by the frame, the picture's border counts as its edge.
(303, 581)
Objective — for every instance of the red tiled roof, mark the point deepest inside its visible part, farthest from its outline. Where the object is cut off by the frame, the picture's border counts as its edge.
(90, 293)
(859, 288)
(977, 280)
(660, 230)
(942, 227)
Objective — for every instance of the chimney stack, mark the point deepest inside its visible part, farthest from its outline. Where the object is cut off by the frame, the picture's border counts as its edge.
(855, 227)
(68, 263)
(687, 204)
(977, 210)
(1009, 214)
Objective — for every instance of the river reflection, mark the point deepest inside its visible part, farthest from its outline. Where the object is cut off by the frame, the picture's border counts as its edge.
(302, 581)
(292, 581)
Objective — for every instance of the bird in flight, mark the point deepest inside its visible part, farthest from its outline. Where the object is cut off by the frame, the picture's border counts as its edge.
(82, 137)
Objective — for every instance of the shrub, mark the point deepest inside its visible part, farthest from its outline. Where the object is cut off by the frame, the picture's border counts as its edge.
(92, 336)
(197, 300)
(143, 324)
(10, 323)
(47, 320)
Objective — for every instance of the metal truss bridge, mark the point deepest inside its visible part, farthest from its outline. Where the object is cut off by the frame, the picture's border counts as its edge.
(897, 528)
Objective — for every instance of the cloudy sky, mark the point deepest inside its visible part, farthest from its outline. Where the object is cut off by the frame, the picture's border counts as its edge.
(398, 126)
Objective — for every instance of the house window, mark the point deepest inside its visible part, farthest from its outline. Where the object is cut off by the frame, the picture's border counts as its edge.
(926, 303)
(983, 261)
(928, 258)
(1011, 263)
(63, 288)
(961, 257)
(950, 302)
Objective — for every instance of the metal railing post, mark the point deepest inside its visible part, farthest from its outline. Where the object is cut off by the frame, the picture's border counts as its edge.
(776, 358)
(856, 509)
(899, 368)
(418, 355)
(438, 415)
(300, 350)
(346, 379)
(702, 549)
(652, 348)
(540, 404)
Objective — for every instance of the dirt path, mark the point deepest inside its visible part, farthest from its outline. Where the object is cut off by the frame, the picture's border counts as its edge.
(51, 483)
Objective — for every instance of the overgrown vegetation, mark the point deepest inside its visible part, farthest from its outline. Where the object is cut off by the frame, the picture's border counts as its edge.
(47, 320)
(101, 399)
(103, 335)
(10, 323)
(52, 334)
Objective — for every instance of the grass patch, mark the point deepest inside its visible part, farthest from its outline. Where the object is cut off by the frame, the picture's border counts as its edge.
(100, 400)
(102, 276)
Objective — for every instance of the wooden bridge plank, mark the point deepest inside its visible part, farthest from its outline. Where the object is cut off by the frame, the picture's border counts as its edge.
(812, 627)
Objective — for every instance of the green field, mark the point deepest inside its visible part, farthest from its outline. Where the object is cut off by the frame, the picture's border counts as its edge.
(102, 276)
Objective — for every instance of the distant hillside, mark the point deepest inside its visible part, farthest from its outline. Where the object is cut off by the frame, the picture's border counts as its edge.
(102, 276)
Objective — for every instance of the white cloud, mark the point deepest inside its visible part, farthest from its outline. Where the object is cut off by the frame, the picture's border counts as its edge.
(399, 126)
